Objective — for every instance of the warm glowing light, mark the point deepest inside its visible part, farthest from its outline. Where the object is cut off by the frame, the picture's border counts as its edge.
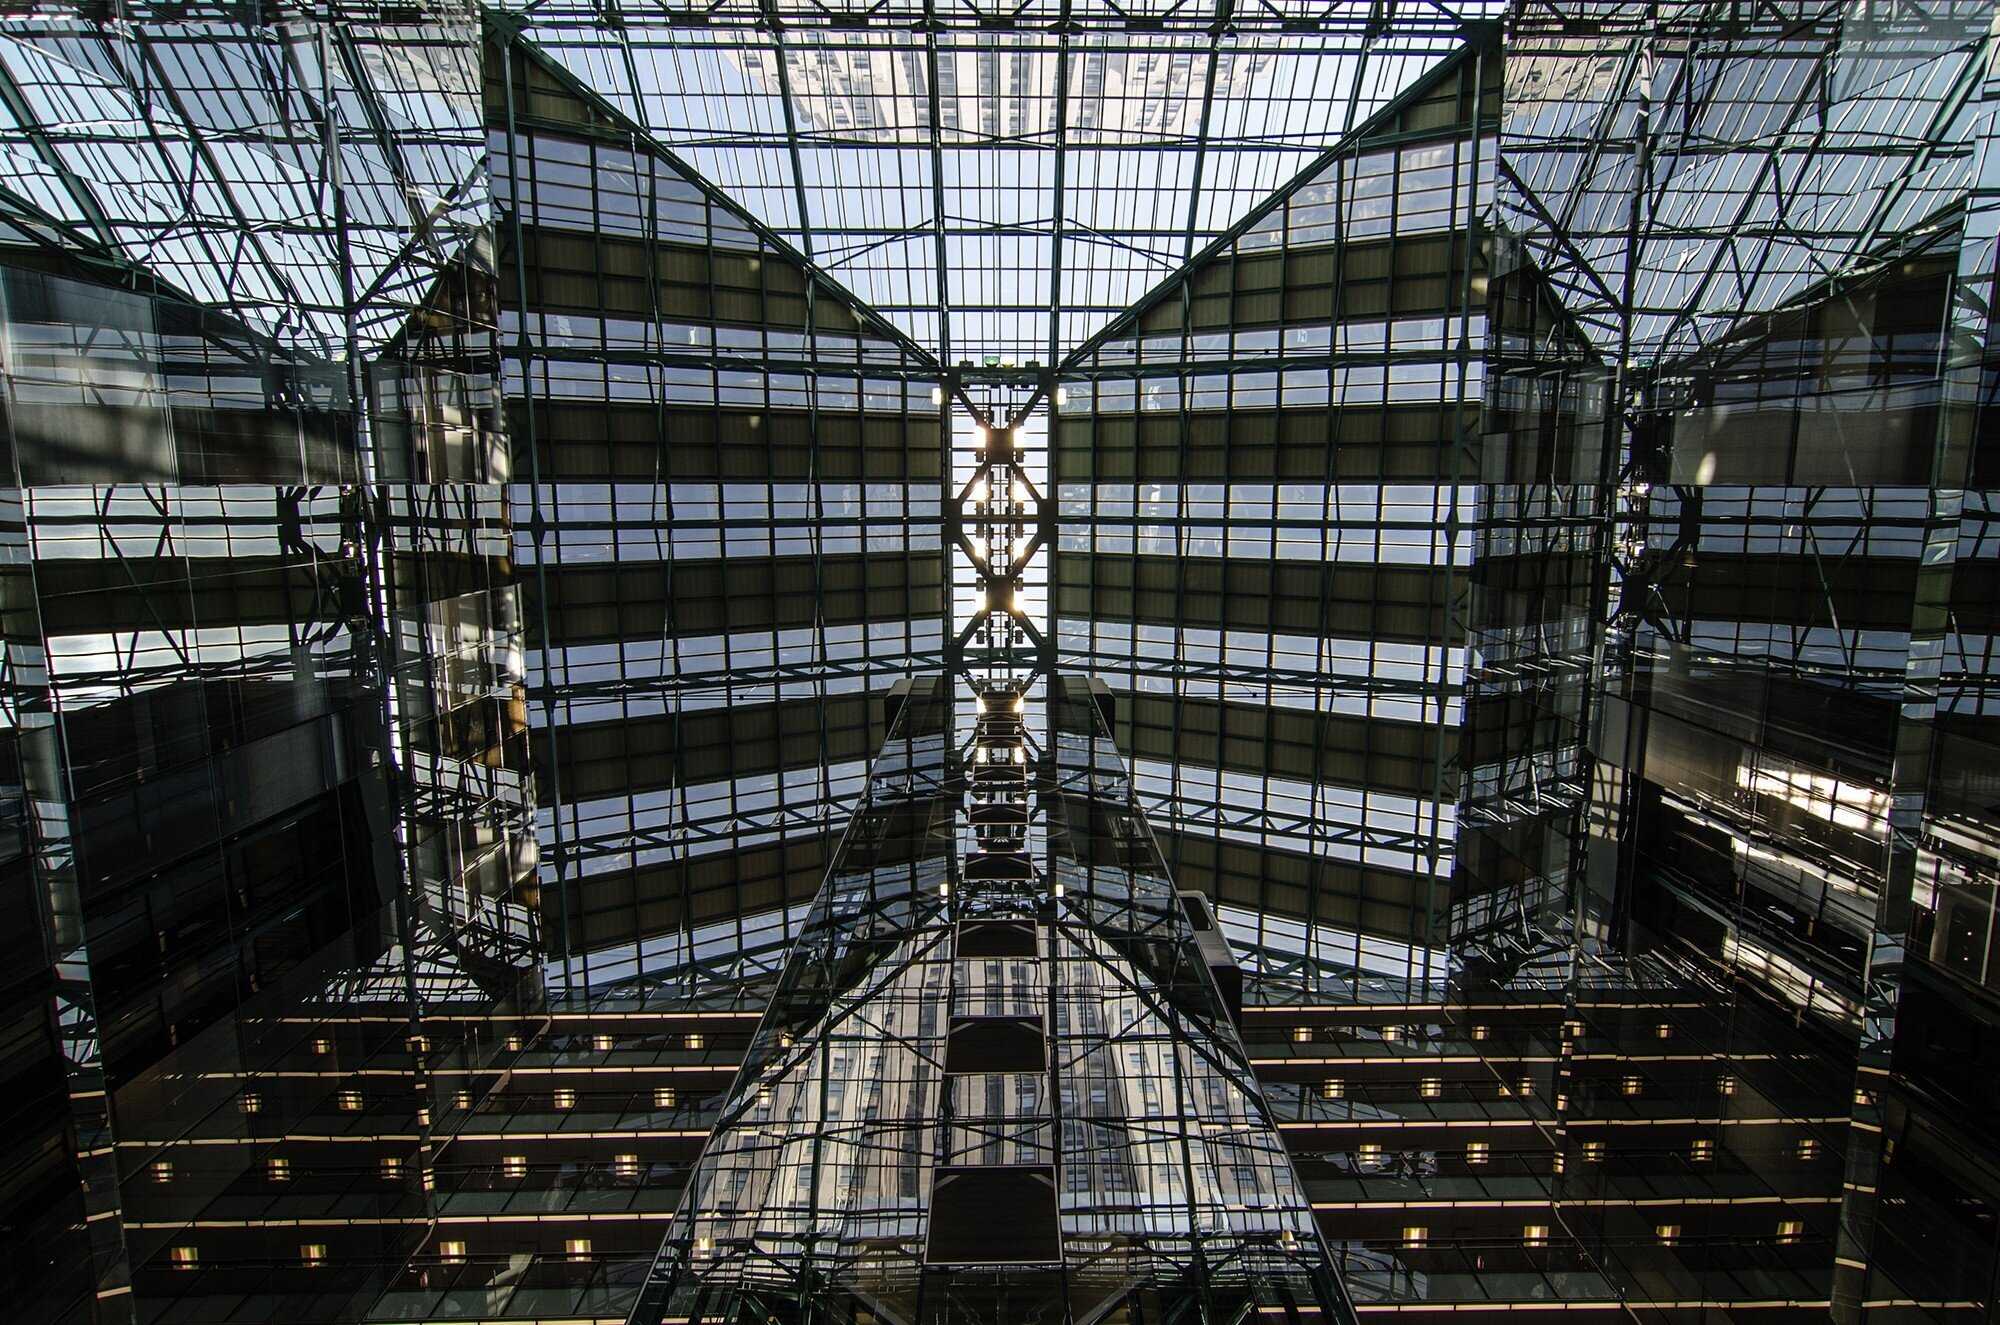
(1843, 804)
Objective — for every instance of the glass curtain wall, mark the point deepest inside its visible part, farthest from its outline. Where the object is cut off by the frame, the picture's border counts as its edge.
(264, 669)
(726, 498)
(1783, 542)
(1266, 480)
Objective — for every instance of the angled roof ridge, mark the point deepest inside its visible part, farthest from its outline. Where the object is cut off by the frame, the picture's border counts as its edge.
(1478, 41)
(879, 160)
(506, 28)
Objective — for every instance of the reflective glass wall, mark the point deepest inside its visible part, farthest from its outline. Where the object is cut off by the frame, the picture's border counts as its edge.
(264, 670)
(1266, 483)
(726, 491)
(1774, 684)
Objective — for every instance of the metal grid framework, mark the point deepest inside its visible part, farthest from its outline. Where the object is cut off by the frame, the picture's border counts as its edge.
(1750, 196)
(995, 1017)
(1266, 517)
(1749, 221)
(728, 515)
(253, 451)
(297, 204)
(631, 862)
(310, 178)
(1744, 318)
(1674, 172)
(1447, 467)
(999, 187)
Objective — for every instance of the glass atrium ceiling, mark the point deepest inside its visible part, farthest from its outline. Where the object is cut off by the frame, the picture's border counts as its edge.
(1777, 161)
(198, 151)
(917, 155)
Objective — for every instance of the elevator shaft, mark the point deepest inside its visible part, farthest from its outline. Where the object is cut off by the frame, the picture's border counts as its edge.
(998, 1081)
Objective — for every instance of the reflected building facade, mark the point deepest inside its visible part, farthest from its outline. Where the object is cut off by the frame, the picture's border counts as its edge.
(271, 806)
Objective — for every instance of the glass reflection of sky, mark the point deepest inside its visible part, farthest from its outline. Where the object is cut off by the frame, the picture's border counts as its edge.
(938, 206)
(1745, 222)
(198, 149)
